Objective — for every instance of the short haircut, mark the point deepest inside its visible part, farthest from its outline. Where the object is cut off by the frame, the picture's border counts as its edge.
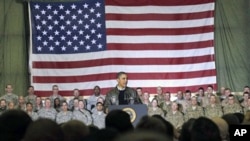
(120, 73)
(99, 103)
(29, 103)
(210, 86)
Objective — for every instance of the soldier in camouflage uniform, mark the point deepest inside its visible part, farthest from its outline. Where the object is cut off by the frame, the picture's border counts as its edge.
(64, 115)
(187, 101)
(99, 116)
(247, 107)
(159, 96)
(30, 112)
(194, 110)
(47, 111)
(232, 106)
(21, 103)
(38, 105)
(244, 103)
(214, 109)
(82, 114)
(31, 97)
(175, 116)
(9, 96)
(146, 100)
(55, 94)
(155, 109)
(3, 106)
(166, 105)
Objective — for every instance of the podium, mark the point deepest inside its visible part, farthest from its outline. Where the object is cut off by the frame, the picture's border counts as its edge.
(136, 111)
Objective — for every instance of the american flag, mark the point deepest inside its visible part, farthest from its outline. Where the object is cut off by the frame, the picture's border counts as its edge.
(167, 43)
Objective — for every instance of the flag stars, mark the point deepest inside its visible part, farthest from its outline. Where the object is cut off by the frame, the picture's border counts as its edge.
(68, 22)
(37, 17)
(69, 43)
(85, 5)
(98, 4)
(92, 20)
(91, 10)
(45, 43)
(44, 32)
(37, 6)
(51, 38)
(87, 37)
(86, 26)
(93, 31)
(51, 48)
(61, 17)
(93, 41)
(73, 6)
(73, 17)
(99, 46)
(87, 47)
(55, 12)
(44, 22)
(99, 25)
(38, 27)
(57, 43)
(49, 17)
(63, 38)
(80, 32)
(98, 15)
(39, 38)
(86, 16)
(75, 37)
(56, 32)
(75, 48)
(74, 27)
(80, 22)
(39, 48)
(50, 27)
(68, 32)
(67, 12)
(61, 6)
(56, 22)
(63, 48)
(49, 6)
(99, 36)
(43, 12)
(62, 27)
(79, 11)
(81, 42)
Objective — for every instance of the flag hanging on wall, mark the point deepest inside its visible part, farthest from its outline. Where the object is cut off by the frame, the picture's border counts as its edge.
(156, 42)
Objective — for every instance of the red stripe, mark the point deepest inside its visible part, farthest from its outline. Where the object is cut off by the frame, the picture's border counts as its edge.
(160, 17)
(151, 90)
(132, 76)
(161, 46)
(165, 31)
(123, 61)
(155, 2)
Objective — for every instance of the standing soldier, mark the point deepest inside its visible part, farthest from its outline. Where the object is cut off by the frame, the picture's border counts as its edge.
(214, 109)
(31, 97)
(9, 96)
(166, 105)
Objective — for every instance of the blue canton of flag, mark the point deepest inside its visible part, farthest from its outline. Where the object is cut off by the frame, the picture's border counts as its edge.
(72, 27)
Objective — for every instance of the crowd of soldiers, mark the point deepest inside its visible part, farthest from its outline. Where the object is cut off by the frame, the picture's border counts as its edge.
(91, 111)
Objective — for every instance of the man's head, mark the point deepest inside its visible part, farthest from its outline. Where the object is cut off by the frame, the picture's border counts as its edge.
(31, 90)
(99, 106)
(3, 103)
(8, 88)
(47, 103)
(64, 106)
(139, 91)
(76, 92)
(55, 89)
(122, 79)
(210, 89)
(97, 90)
(231, 99)
(21, 99)
(29, 106)
(159, 90)
(246, 89)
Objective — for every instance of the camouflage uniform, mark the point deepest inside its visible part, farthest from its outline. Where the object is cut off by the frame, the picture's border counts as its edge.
(232, 108)
(247, 108)
(33, 115)
(63, 117)
(157, 111)
(176, 118)
(160, 98)
(53, 97)
(99, 119)
(213, 111)
(10, 97)
(83, 116)
(193, 112)
(47, 113)
(166, 107)
(31, 99)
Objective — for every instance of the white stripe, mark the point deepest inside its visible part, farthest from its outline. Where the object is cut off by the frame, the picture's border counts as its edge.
(159, 9)
(126, 68)
(131, 83)
(161, 39)
(124, 54)
(159, 24)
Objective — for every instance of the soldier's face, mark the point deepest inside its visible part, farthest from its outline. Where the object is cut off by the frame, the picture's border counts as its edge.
(209, 90)
(146, 95)
(64, 107)
(3, 103)
(174, 106)
(194, 101)
(31, 90)
(139, 92)
(159, 90)
(99, 107)
(29, 107)
(47, 103)
(122, 80)
(55, 90)
(212, 99)
(154, 103)
(231, 100)
(9, 89)
(81, 105)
